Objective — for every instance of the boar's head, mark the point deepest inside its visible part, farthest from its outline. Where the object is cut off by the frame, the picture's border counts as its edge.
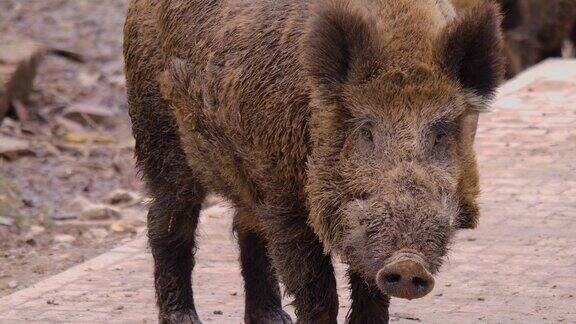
(392, 172)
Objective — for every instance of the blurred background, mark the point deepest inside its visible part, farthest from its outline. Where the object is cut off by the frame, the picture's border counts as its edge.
(67, 183)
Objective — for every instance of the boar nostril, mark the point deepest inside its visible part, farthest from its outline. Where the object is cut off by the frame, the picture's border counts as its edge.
(392, 278)
(419, 282)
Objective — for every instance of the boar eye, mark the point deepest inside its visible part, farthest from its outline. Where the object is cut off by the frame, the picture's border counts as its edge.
(441, 131)
(363, 195)
(439, 139)
(367, 134)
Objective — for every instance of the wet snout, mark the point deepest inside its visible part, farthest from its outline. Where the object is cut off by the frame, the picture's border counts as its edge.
(405, 277)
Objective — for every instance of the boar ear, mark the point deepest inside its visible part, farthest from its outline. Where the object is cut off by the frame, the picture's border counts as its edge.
(339, 47)
(470, 51)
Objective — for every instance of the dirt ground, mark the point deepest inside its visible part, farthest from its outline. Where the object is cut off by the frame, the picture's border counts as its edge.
(73, 161)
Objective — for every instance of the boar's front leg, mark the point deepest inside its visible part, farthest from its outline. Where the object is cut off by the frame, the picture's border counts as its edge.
(263, 302)
(369, 305)
(171, 230)
(307, 273)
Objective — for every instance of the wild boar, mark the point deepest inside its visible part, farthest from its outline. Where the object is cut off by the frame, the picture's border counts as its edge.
(513, 11)
(534, 30)
(550, 23)
(334, 127)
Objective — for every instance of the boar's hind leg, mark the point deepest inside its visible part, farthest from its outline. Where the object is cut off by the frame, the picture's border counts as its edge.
(369, 305)
(263, 301)
(307, 273)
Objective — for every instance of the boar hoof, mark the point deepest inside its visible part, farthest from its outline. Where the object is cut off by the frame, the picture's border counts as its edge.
(180, 317)
(273, 316)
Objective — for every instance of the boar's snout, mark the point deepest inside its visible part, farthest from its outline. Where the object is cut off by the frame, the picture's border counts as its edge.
(405, 277)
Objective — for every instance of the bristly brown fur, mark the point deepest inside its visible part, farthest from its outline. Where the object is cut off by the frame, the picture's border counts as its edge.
(334, 127)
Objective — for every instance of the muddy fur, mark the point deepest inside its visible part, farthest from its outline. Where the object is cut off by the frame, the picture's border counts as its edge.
(534, 29)
(333, 127)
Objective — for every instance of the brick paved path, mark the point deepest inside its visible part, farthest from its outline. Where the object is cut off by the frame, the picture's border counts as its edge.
(518, 267)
